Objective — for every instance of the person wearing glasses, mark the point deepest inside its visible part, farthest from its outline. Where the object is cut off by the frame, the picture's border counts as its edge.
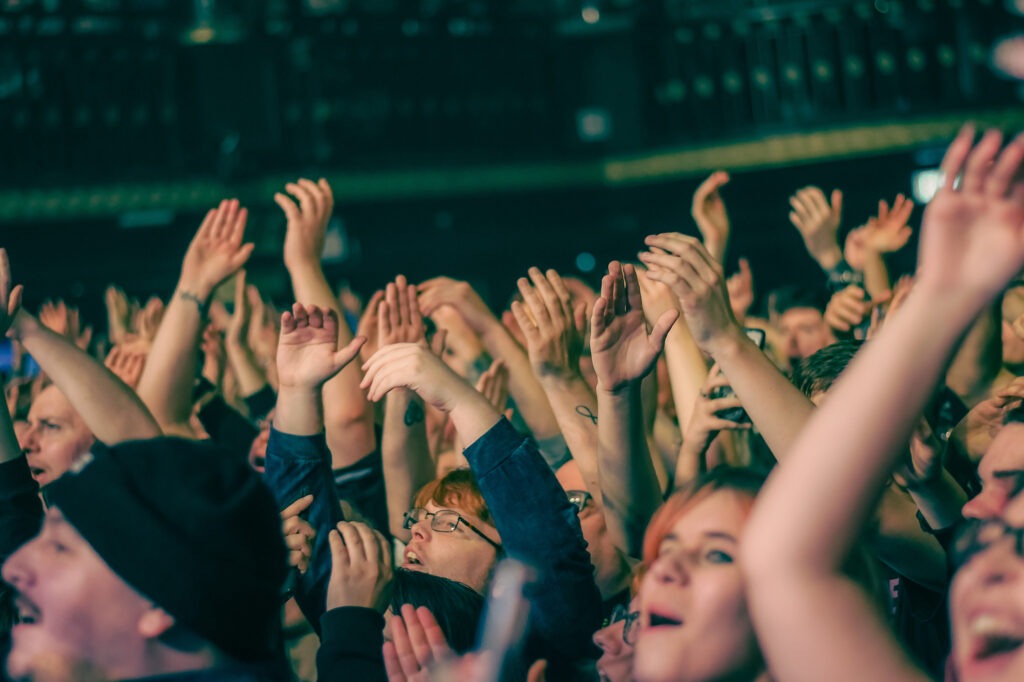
(616, 640)
(811, 622)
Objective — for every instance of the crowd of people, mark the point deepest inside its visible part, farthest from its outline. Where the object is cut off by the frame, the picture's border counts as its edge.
(687, 492)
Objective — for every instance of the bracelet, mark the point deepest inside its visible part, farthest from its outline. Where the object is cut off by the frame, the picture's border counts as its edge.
(189, 296)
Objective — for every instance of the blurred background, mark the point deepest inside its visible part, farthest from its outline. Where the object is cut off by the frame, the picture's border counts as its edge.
(468, 137)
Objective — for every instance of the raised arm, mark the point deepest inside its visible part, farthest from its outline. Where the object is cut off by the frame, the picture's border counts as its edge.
(298, 463)
(349, 417)
(526, 391)
(623, 355)
(554, 341)
(708, 211)
(10, 304)
(817, 220)
(405, 451)
(251, 377)
(807, 518)
(216, 253)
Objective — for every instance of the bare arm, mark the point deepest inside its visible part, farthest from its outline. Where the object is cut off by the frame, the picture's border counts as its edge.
(348, 415)
(405, 451)
(973, 244)
(10, 304)
(979, 358)
(250, 376)
(623, 355)
(216, 252)
(554, 342)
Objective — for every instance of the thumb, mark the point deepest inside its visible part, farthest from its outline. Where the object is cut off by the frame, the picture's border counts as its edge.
(538, 671)
(339, 553)
(242, 255)
(346, 354)
(662, 327)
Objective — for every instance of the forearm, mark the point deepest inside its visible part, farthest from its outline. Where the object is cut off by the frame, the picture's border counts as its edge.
(776, 407)
(687, 369)
(405, 454)
(575, 408)
(939, 500)
(299, 411)
(629, 485)
(348, 414)
(111, 410)
(978, 360)
(876, 275)
(9, 448)
(526, 391)
(249, 374)
(842, 488)
(167, 378)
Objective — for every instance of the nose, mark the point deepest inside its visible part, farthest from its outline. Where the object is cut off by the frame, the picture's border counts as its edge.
(671, 567)
(609, 639)
(15, 570)
(29, 440)
(421, 529)
(987, 504)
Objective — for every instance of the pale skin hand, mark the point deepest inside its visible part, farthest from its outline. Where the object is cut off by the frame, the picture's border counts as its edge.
(368, 325)
(10, 303)
(817, 220)
(704, 426)
(461, 296)
(217, 251)
(307, 221)
(251, 377)
(847, 309)
(685, 266)
(708, 211)
(620, 347)
(298, 534)
(418, 644)
(360, 567)
(546, 318)
(118, 314)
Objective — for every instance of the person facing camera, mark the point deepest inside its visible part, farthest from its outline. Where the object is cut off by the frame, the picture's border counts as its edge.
(158, 557)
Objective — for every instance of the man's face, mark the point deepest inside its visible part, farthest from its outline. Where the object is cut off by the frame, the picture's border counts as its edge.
(55, 436)
(1001, 470)
(76, 614)
(461, 555)
(804, 332)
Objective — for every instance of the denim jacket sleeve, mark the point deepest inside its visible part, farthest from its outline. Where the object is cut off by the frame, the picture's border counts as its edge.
(539, 526)
(297, 466)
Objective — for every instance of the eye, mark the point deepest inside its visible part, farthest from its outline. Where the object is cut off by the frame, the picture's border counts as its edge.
(717, 556)
(49, 426)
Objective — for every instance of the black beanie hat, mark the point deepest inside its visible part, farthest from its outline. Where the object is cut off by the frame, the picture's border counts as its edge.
(189, 526)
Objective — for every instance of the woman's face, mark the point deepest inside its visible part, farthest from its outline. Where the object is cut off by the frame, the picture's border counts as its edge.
(987, 607)
(694, 624)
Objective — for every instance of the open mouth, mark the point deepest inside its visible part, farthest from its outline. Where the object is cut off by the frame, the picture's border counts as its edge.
(994, 642)
(27, 612)
(658, 620)
(411, 559)
(36, 471)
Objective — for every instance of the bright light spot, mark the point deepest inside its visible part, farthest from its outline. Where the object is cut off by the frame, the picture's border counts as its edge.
(585, 262)
(591, 14)
(925, 183)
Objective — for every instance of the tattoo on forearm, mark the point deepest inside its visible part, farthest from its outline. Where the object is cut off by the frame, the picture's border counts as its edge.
(414, 413)
(584, 411)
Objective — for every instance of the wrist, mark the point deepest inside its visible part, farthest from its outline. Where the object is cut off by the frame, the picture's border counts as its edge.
(194, 290)
(827, 257)
(727, 342)
(620, 391)
(559, 380)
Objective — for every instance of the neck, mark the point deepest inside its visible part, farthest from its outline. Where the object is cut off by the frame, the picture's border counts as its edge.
(159, 659)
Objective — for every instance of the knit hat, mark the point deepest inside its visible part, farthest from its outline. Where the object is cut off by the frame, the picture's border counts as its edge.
(191, 527)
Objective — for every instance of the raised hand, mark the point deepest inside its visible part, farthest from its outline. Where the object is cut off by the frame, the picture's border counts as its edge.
(924, 459)
(417, 645)
(413, 366)
(445, 291)
(493, 385)
(686, 267)
(66, 321)
(972, 237)
(741, 290)
(818, 220)
(307, 354)
(236, 332)
(847, 309)
(398, 315)
(620, 347)
(298, 533)
(10, 295)
(119, 314)
(709, 213)
(216, 252)
(147, 320)
(547, 320)
(705, 422)
(360, 567)
(307, 221)
(127, 361)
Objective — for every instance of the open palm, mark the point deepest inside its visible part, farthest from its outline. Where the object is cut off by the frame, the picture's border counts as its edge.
(307, 354)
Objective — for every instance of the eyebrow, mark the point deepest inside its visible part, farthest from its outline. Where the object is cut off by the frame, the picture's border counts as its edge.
(709, 535)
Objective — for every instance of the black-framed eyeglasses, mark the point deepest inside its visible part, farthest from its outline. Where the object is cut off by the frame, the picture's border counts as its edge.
(976, 535)
(579, 499)
(630, 627)
(444, 521)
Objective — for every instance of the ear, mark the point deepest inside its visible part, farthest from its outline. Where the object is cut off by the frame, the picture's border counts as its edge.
(155, 622)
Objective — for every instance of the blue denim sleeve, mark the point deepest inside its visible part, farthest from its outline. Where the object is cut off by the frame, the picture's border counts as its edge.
(298, 466)
(539, 526)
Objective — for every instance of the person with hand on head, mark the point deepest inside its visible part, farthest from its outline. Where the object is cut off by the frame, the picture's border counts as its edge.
(216, 252)
(540, 529)
(972, 244)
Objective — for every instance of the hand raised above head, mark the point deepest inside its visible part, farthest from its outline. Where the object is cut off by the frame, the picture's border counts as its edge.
(548, 322)
(415, 367)
(307, 220)
(817, 220)
(216, 251)
(972, 235)
(398, 314)
(708, 211)
(307, 354)
(620, 347)
(10, 295)
(445, 291)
